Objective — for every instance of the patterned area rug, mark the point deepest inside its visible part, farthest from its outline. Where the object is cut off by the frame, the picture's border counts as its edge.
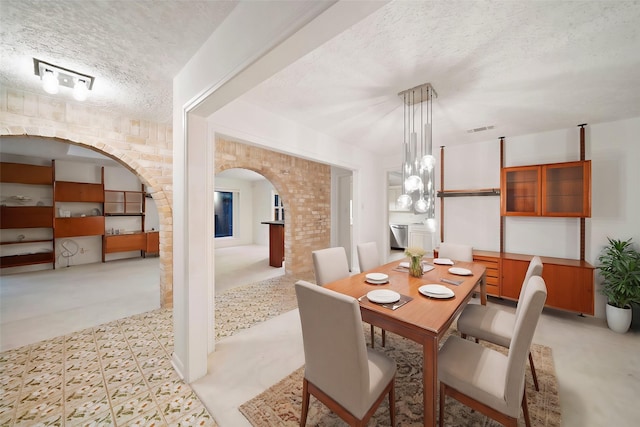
(281, 404)
(242, 307)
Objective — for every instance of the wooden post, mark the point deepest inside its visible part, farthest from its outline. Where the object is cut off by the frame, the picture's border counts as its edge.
(501, 217)
(442, 190)
(582, 219)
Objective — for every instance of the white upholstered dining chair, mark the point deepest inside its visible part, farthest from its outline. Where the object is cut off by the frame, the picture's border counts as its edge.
(455, 252)
(340, 371)
(494, 325)
(368, 259)
(485, 379)
(331, 264)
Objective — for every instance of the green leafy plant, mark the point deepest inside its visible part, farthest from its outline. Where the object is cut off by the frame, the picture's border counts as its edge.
(620, 269)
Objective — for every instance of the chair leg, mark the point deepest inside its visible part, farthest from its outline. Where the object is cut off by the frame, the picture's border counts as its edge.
(305, 403)
(372, 337)
(525, 409)
(384, 338)
(533, 372)
(392, 404)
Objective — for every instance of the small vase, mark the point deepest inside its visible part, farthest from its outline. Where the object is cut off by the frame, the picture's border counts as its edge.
(415, 267)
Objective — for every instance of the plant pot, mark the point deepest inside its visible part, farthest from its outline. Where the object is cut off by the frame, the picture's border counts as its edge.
(618, 319)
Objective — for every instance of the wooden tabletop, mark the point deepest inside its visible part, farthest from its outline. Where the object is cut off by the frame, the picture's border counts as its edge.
(427, 314)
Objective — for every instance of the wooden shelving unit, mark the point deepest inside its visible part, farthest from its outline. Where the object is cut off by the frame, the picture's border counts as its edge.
(126, 203)
(25, 219)
(88, 194)
(549, 190)
(75, 209)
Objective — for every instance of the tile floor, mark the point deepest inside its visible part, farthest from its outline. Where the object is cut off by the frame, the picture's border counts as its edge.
(598, 372)
(115, 374)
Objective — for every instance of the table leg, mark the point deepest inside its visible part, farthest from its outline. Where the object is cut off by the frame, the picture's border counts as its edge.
(430, 379)
(483, 289)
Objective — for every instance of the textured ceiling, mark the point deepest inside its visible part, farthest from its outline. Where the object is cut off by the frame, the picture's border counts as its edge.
(521, 66)
(132, 48)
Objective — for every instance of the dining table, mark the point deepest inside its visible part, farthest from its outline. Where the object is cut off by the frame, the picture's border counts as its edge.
(421, 317)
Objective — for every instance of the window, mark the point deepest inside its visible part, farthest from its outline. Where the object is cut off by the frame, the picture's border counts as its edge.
(278, 208)
(223, 207)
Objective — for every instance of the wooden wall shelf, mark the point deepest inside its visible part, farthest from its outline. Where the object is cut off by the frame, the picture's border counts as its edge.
(469, 193)
(27, 217)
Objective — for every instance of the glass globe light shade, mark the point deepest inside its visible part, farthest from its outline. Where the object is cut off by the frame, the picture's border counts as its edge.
(428, 162)
(412, 183)
(431, 225)
(50, 82)
(421, 205)
(80, 90)
(404, 201)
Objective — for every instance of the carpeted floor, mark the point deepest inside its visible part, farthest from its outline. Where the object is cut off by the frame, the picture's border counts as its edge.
(281, 404)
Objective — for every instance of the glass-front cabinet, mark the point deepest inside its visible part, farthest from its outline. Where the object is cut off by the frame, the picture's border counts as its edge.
(521, 191)
(557, 189)
(566, 188)
(123, 202)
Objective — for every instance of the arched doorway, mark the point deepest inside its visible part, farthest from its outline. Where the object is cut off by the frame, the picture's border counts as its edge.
(244, 199)
(67, 160)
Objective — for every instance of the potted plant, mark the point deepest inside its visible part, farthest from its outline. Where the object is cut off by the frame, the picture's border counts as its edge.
(620, 270)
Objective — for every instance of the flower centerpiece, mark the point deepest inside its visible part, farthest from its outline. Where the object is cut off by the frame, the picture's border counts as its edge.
(415, 255)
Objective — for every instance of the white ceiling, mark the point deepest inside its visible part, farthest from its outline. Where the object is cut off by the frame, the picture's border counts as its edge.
(521, 66)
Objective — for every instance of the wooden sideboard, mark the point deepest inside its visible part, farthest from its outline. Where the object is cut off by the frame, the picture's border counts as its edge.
(570, 284)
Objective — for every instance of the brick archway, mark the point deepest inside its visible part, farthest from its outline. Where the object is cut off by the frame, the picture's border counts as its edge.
(305, 188)
(158, 195)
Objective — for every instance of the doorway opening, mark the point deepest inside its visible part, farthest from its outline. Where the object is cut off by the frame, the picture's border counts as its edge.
(243, 200)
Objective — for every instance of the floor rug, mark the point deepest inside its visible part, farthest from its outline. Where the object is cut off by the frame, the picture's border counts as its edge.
(280, 405)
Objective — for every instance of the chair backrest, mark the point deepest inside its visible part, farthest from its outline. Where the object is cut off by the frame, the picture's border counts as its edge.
(368, 258)
(330, 264)
(526, 321)
(335, 352)
(535, 269)
(455, 252)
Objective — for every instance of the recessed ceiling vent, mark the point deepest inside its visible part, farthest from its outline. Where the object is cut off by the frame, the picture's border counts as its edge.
(480, 129)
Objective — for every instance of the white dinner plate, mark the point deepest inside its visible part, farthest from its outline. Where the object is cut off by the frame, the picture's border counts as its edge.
(377, 282)
(436, 291)
(443, 261)
(460, 271)
(377, 277)
(383, 296)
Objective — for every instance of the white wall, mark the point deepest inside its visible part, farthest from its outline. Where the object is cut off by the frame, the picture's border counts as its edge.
(262, 211)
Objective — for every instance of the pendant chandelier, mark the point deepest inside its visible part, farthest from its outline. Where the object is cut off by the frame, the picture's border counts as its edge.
(418, 162)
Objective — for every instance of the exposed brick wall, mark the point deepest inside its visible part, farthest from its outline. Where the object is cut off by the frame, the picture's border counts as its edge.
(305, 188)
(144, 147)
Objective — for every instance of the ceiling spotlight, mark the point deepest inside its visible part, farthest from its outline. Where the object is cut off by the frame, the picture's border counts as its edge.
(80, 90)
(53, 77)
(50, 82)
